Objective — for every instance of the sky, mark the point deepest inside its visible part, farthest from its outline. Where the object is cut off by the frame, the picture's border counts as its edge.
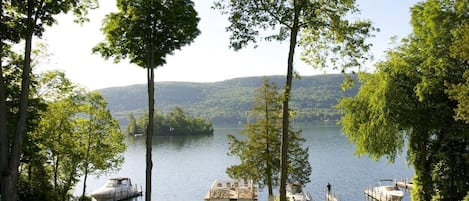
(208, 58)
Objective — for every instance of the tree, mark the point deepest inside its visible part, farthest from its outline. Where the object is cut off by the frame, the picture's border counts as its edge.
(323, 29)
(132, 128)
(145, 31)
(56, 137)
(103, 141)
(258, 154)
(76, 135)
(414, 95)
(29, 17)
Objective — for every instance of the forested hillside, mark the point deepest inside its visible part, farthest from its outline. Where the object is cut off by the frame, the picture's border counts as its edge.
(229, 101)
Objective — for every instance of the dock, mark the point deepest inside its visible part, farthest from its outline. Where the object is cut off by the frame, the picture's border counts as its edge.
(405, 184)
(331, 197)
(231, 190)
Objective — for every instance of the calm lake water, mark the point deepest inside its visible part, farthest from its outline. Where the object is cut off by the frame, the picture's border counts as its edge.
(185, 167)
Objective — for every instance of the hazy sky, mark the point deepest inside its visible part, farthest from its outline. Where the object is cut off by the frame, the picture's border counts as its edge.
(208, 58)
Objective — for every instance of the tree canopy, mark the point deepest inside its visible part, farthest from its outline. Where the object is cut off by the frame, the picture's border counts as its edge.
(147, 29)
(416, 94)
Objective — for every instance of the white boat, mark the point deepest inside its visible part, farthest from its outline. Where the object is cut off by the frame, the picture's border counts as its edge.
(295, 192)
(118, 188)
(231, 190)
(385, 192)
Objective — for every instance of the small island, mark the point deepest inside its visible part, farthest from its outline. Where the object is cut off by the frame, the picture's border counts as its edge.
(175, 123)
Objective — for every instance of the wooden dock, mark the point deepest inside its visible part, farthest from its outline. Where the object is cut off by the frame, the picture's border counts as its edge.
(231, 190)
(405, 184)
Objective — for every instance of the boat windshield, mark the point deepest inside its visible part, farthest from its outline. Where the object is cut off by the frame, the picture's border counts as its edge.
(116, 183)
(390, 188)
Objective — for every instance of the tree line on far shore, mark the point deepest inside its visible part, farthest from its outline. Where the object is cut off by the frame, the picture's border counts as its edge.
(313, 98)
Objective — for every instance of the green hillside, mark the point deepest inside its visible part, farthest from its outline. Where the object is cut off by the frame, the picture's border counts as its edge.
(229, 101)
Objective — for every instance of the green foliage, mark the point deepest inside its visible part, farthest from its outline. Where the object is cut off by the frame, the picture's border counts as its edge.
(146, 29)
(327, 36)
(460, 91)
(103, 141)
(366, 120)
(34, 183)
(66, 141)
(132, 128)
(21, 20)
(419, 93)
(259, 153)
(12, 78)
(176, 122)
(11, 73)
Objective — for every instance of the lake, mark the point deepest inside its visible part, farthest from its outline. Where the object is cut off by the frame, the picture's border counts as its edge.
(185, 167)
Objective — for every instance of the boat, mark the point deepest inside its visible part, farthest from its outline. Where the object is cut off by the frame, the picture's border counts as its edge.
(232, 190)
(295, 192)
(385, 192)
(118, 188)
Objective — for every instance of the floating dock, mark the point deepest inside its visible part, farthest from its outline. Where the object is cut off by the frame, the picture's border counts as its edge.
(231, 190)
(405, 184)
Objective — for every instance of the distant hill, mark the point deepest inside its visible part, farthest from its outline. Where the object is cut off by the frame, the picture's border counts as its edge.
(229, 101)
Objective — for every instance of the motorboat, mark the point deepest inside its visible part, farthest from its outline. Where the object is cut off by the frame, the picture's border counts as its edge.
(385, 192)
(295, 192)
(232, 190)
(118, 188)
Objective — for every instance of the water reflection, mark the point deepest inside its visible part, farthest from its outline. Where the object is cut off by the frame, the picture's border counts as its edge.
(172, 142)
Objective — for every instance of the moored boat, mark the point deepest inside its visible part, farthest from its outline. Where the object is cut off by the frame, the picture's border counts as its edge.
(118, 188)
(385, 192)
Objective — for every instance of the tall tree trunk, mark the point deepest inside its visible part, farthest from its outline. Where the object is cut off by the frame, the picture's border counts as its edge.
(82, 198)
(268, 165)
(15, 154)
(3, 129)
(149, 162)
(88, 149)
(56, 173)
(269, 176)
(3, 120)
(286, 112)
